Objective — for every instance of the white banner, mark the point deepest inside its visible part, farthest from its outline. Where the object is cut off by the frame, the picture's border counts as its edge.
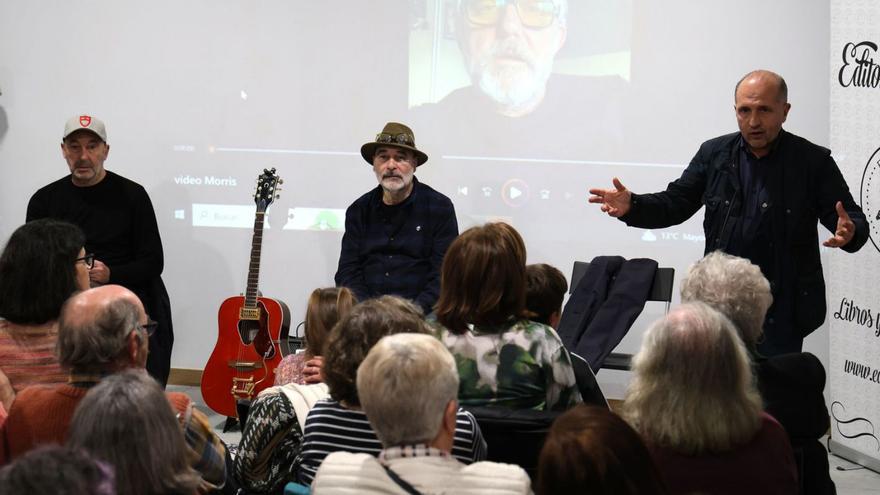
(854, 279)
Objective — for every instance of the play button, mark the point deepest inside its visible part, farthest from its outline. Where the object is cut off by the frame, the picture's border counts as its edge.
(515, 192)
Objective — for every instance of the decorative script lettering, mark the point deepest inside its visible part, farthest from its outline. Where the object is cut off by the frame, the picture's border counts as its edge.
(859, 69)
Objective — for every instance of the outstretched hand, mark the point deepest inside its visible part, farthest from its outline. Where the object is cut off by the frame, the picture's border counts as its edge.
(615, 202)
(845, 229)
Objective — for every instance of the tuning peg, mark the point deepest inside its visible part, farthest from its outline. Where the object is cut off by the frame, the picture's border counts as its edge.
(277, 196)
(281, 181)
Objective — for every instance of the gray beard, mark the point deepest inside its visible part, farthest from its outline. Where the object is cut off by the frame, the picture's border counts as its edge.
(515, 92)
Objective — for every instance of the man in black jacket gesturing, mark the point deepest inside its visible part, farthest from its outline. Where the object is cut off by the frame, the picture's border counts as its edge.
(764, 189)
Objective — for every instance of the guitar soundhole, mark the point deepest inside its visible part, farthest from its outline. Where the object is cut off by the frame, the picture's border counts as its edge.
(256, 332)
(248, 329)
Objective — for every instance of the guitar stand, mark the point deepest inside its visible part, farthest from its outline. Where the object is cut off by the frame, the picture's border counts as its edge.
(242, 408)
(230, 424)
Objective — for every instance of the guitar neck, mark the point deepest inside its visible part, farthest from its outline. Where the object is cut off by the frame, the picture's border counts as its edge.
(250, 297)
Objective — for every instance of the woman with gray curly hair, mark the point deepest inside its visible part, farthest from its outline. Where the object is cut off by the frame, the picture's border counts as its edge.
(694, 402)
(736, 288)
(791, 384)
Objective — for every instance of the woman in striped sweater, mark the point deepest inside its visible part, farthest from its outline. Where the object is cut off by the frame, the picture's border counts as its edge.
(338, 423)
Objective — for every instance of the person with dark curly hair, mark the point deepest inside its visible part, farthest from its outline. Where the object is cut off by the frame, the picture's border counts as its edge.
(338, 423)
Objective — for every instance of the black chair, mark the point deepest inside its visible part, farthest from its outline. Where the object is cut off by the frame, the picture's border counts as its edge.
(586, 382)
(514, 436)
(661, 291)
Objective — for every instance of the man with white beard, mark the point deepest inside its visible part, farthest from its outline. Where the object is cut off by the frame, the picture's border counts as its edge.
(516, 106)
(509, 47)
(397, 233)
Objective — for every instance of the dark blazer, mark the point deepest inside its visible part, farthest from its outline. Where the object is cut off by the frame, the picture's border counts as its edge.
(803, 189)
(604, 305)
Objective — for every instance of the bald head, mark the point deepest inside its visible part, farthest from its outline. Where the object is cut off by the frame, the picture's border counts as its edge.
(88, 305)
(98, 330)
(763, 77)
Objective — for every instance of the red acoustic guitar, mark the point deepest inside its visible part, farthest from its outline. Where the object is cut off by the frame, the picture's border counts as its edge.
(251, 329)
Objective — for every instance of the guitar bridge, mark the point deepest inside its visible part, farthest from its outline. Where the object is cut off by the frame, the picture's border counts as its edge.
(245, 365)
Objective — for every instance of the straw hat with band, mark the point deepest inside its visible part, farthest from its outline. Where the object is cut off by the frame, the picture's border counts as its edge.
(396, 135)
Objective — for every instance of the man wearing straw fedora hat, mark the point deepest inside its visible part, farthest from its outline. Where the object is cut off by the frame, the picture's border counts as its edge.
(397, 233)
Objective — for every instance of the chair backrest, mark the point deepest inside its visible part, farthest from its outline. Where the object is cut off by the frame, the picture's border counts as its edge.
(514, 436)
(661, 291)
(586, 382)
(661, 287)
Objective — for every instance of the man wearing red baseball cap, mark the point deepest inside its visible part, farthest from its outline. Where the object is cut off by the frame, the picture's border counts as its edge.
(120, 225)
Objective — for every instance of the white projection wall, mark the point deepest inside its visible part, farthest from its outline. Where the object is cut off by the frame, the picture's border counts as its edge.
(199, 96)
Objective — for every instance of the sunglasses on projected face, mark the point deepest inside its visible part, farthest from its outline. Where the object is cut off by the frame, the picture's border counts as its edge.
(532, 13)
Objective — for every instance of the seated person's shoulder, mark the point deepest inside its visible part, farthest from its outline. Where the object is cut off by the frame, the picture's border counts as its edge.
(495, 477)
(536, 331)
(771, 429)
(347, 469)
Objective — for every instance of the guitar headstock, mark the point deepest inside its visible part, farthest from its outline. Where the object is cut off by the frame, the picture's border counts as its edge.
(267, 187)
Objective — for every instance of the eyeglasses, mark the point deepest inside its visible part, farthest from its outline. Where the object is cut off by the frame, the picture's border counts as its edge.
(88, 259)
(149, 327)
(532, 13)
(402, 138)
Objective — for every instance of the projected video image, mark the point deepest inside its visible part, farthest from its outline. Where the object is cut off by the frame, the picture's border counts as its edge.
(521, 79)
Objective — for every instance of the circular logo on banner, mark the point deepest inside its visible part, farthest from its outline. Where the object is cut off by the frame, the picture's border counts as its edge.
(870, 197)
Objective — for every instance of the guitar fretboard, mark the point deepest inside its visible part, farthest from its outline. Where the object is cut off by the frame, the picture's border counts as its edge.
(250, 295)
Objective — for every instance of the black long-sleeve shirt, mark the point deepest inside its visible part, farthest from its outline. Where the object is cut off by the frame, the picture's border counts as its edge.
(119, 222)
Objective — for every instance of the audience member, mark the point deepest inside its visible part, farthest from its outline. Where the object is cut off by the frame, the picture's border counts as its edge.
(325, 308)
(545, 289)
(57, 470)
(6, 396)
(103, 331)
(592, 450)
(407, 386)
(503, 358)
(338, 423)
(125, 421)
(695, 403)
(272, 435)
(42, 264)
(791, 385)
